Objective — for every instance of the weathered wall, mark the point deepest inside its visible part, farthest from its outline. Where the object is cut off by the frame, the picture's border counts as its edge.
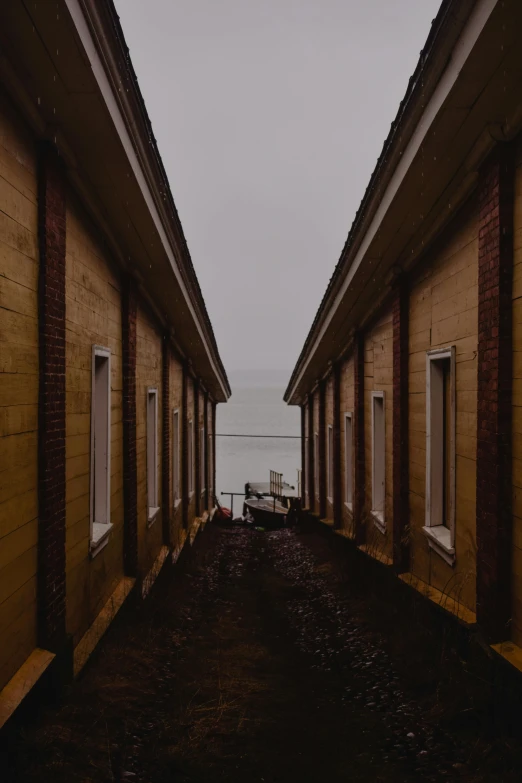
(443, 312)
(306, 462)
(210, 447)
(202, 457)
(18, 391)
(329, 422)
(148, 375)
(317, 455)
(517, 406)
(346, 407)
(378, 376)
(190, 417)
(93, 317)
(176, 390)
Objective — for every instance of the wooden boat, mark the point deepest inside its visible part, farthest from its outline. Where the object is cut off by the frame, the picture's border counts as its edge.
(266, 511)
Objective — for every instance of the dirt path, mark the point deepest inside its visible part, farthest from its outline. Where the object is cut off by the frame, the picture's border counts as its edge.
(252, 663)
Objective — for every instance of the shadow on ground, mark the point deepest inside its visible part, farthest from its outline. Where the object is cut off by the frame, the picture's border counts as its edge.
(261, 658)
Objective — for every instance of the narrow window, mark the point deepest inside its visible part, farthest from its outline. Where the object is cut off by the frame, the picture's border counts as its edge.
(100, 445)
(440, 451)
(175, 456)
(330, 464)
(316, 464)
(348, 460)
(152, 453)
(202, 458)
(190, 457)
(378, 458)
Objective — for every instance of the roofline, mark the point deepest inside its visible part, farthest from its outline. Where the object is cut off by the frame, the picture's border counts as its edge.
(448, 25)
(104, 28)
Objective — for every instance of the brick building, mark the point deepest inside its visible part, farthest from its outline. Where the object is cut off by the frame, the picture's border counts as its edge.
(410, 379)
(110, 373)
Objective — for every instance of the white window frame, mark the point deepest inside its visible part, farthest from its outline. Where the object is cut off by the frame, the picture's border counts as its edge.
(176, 457)
(348, 462)
(100, 528)
(330, 454)
(190, 457)
(153, 506)
(379, 516)
(316, 466)
(202, 458)
(441, 537)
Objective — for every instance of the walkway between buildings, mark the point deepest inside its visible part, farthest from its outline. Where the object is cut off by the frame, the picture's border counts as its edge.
(256, 660)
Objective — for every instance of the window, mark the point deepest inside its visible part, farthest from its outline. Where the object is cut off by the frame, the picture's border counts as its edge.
(152, 454)
(175, 457)
(330, 464)
(316, 464)
(378, 459)
(348, 460)
(202, 458)
(190, 457)
(100, 447)
(440, 452)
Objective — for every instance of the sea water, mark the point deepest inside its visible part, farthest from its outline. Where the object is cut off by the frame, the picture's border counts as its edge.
(255, 411)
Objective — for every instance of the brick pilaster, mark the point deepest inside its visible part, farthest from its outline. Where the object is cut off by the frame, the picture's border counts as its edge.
(51, 402)
(494, 450)
(311, 460)
(400, 313)
(304, 478)
(184, 446)
(129, 309)
(166, 463)
(358, 439)
(197, 451)
(322, 449)
(337, 486)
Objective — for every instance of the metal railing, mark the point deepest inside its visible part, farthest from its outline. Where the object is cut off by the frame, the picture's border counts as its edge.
(276, 484)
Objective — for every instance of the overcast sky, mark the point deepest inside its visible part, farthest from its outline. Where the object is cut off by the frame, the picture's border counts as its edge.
(270, 116)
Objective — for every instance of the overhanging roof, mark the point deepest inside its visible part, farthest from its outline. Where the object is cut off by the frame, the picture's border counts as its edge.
(463, 98)
(67, 66)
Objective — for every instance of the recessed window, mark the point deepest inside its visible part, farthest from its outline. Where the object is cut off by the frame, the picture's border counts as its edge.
(440, 452)
(316, 464)
(202, 459)
(152, 454)
(190, 457)
(378, 458)
(175, 457)
(348, 460)
(330, 464)
(100, 447)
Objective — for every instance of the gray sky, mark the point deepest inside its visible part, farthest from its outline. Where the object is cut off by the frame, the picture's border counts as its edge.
(270, 116)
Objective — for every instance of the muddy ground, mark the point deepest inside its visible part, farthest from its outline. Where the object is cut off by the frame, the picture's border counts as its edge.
(257, 659)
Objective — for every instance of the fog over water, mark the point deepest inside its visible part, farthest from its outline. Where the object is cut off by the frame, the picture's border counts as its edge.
(256, 408)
